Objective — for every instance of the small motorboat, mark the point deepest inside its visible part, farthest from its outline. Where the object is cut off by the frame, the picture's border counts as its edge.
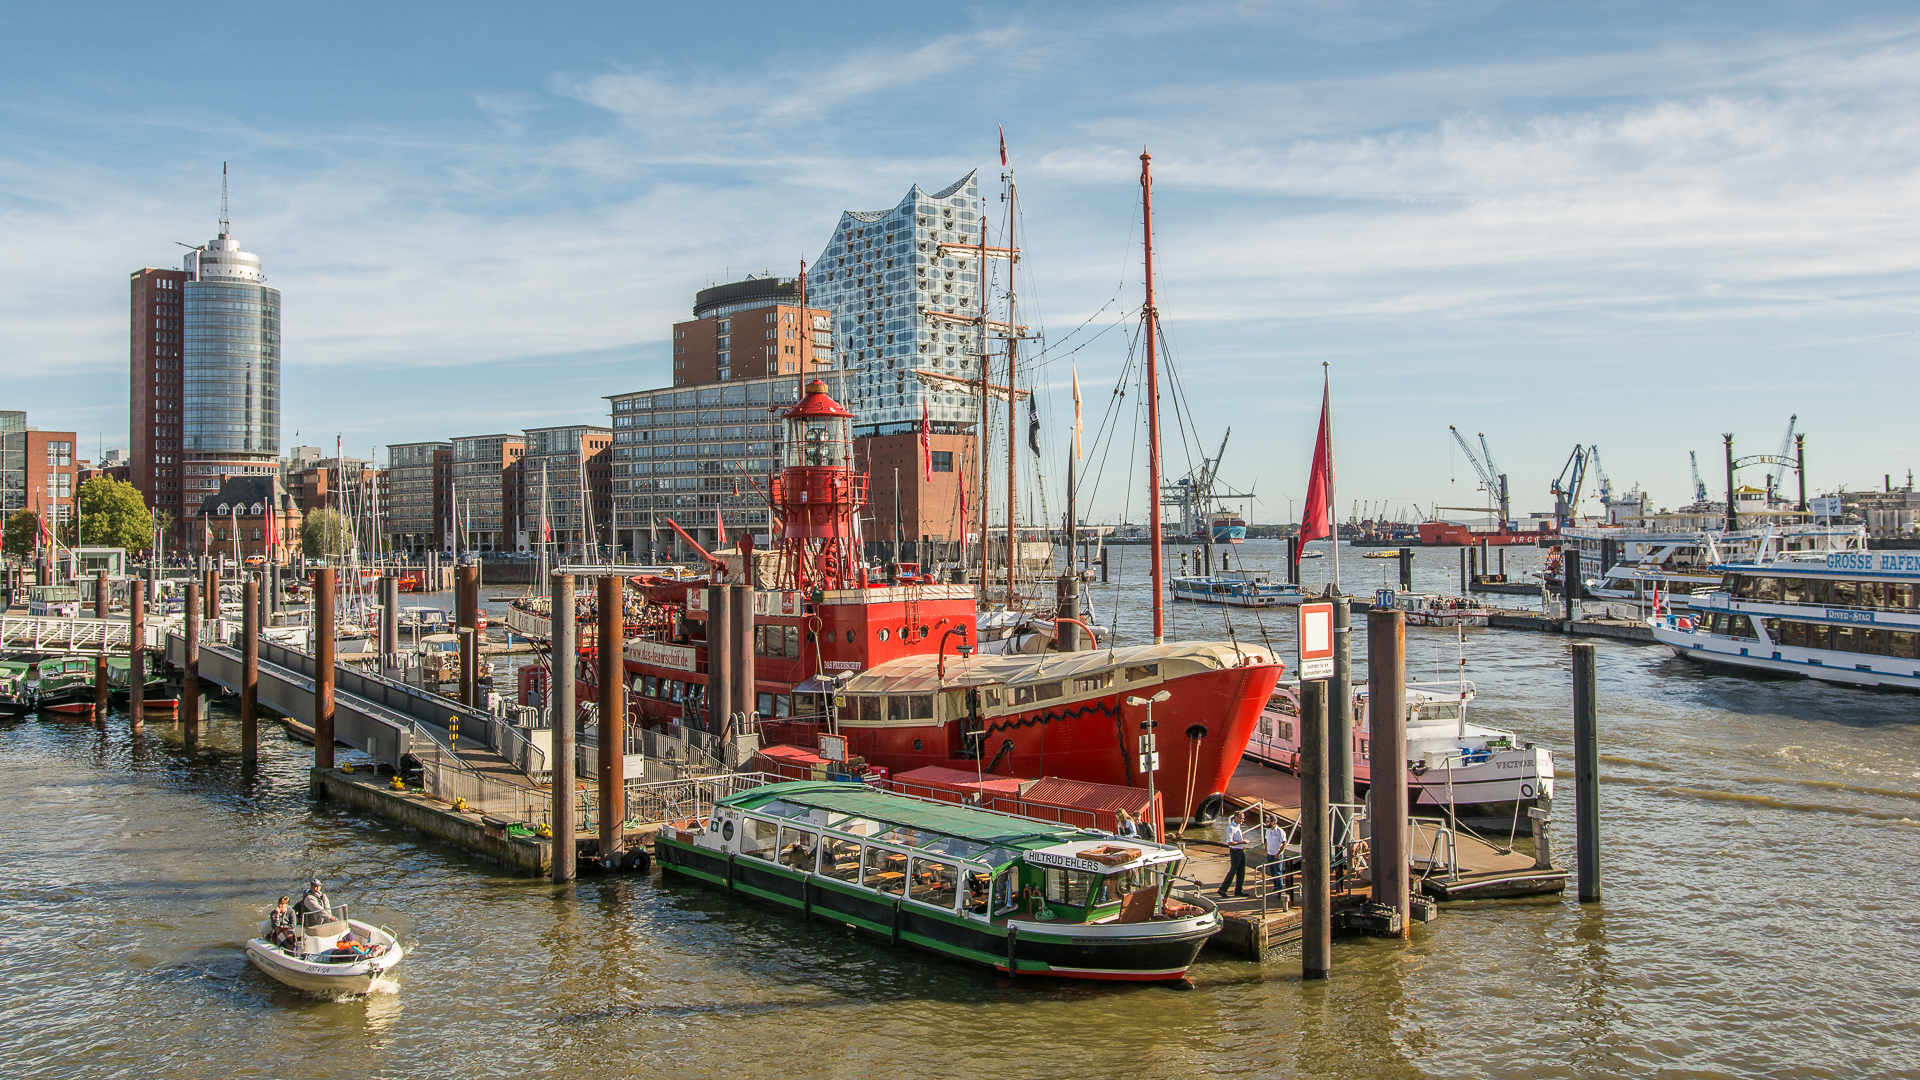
(316, 961)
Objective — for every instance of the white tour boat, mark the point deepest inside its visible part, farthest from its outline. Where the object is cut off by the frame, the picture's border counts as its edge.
(1633, 564)
(1483, 776)
(1851, 617)
(315, 960)
(1432, 609)
(1238, 588)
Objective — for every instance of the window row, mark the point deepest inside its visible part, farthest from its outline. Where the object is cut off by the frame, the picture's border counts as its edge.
(1878, 595)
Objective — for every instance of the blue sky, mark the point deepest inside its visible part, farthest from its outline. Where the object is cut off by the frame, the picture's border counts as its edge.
(1635, 225)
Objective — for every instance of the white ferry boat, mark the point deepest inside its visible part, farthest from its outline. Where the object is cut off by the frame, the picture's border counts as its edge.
(1633, 564)
(1239, 588)
(1852, 617)
(1432, 609)
(1482, 775)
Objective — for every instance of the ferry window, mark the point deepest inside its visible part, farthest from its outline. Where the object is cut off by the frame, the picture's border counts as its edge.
(1845, 639)
(757, 838)
(1873, 640)
(1766, 588)
(672, 689)
(1900, 595)
(1286, 730)
(935, 883)
(1869, 594)
(1069, 887)
(793, 642)
(840, 860)
(1740, 626)
(1730, 583)
(979, 888)
(1772, 627)
(1115, 888)
(1049, 691)
(1845, 594)
(1819, 636)
(650, 685)
(1023, 695)
(797, 847)
(870, 707)
(1006, 892)
(1795, 590)
(1904, 644)
(1142, 671)
(1819, 591)
(1743, 586)
(910, 707)
(1792, 633)
(1266, 726)
(883, 870)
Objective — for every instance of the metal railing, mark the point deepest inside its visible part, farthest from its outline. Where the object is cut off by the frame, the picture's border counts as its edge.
(687, 799)
(52, 633)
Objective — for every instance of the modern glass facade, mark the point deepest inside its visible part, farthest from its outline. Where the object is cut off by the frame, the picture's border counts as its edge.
(888, 276)
(230, 371)
(13, 460)
(686, 452)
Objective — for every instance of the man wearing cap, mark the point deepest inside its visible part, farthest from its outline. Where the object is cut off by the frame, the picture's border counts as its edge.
(313, 901)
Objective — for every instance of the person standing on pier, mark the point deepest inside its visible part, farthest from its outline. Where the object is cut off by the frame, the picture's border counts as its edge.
(1236, 859)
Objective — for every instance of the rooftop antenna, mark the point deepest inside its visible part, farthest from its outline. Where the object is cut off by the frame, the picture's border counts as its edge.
(223, 198)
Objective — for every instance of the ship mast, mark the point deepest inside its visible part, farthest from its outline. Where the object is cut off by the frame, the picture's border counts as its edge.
(1013, 397)
(980, 433)
(1152, 326)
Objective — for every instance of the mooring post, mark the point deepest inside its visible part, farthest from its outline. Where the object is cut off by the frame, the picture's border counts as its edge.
(323, 668)
(1339, 733)
(390, 620)
(1103, 564)
(1463, 570)
(1586, 772)
(613, 719)
(1406, 569)
(720, 703)
(1503, 562)
(466, 593)
(746, 698)
(273, 591)
(1066, 604)
(136, 655)
(1486, 561)
(566, 657)
(1570, 582)
(1387, 758)
(211, 594)
(1316, 875)
(250, 676)
(100, 663)
(190, 678)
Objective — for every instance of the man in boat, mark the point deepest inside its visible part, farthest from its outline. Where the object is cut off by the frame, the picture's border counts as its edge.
(281, 921)
(313, 901)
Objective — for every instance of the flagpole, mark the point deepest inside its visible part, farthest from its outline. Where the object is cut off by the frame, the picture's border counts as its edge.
(1333, 499)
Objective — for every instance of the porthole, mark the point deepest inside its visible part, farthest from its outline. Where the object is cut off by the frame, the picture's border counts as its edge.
(918, 745)
(884, 633)
(726, 831)
(849, 637)
(923, 633)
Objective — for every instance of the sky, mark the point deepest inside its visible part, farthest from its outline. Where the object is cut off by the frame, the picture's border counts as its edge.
(1631, 225)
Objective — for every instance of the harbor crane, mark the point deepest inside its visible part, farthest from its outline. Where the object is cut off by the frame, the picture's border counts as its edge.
(1699, 485)
(1491, 478)
(1566, 487)
(1778, 471)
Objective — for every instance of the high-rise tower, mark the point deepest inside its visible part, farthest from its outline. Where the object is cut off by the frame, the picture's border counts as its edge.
(206, 375)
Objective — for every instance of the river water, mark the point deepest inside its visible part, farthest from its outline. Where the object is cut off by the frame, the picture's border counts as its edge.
(1762, 918)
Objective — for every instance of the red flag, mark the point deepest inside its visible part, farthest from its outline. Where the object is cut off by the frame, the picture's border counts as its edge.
(1003, 146)
(963, 503)
(926, 441)
(719, 527)
(1316, 519)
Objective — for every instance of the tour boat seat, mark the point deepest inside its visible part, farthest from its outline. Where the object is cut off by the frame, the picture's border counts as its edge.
(329, 931)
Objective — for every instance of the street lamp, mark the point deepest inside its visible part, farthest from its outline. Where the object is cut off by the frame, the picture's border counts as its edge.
(1149, 747)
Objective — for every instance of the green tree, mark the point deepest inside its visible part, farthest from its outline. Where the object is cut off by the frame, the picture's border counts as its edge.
(325, 532)
(18, 537)
(112, 514)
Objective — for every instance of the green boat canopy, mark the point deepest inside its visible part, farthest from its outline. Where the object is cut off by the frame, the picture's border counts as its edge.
(857, 800)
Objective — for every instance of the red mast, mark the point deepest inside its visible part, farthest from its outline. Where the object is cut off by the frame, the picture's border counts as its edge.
(818, 494)
(1152, 318)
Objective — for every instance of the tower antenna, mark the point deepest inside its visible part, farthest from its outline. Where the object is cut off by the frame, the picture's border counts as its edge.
(223, 198)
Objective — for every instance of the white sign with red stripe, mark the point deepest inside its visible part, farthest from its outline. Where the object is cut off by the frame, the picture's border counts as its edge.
(1316, 641)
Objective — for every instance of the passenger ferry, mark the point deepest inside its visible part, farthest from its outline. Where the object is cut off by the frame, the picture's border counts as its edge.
(1238, 588)
(1020, 896)
(1432, 609)
(1632, 564)
(1483, 776)
(1852, 618)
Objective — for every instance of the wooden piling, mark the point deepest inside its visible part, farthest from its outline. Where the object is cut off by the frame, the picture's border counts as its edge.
(390, 620)
(136, 655)
(1406, 569)
(720, 703)
(466, 593)
(323, 668)
(613, 718)
(1316, 876)
(1066, 604)
(250, 675)
(566, 658)
(190, 678)
(1586, 771)
(746, 699)
(100, 687)
(1103, 563)
(1387, 758)
(210, 595)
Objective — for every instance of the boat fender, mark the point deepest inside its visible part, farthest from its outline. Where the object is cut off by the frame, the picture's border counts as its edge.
(1013, 945)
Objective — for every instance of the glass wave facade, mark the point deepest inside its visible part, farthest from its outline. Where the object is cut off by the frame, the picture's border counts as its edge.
(881, 274)
(230, 370)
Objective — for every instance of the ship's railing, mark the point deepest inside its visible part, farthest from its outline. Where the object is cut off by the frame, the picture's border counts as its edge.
(690, 798)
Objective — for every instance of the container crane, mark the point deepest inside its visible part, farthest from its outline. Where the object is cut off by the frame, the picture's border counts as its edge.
(1699, 485)
(1491, 478)
(1779, 470)
(1566, 488)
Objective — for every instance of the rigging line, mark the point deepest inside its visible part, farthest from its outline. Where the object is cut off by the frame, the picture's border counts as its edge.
(1110, 417)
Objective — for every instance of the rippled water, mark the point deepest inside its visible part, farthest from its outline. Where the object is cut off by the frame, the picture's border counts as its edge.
(1762, 916)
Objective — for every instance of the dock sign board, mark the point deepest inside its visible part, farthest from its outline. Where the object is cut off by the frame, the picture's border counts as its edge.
(1316, 641)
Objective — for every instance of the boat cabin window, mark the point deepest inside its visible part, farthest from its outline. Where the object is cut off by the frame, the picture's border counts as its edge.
(1006, 891)
(953, 845)
(1049, 691)
(1845, 594)
(840, 859)
(910, 707)
(1900, 595)
(1796, 591)
(883, 870)
(904, 836)
(979, 892)
(857, 826)
(650, 686)
(1022, 695)
(1904, 644)
(868, 707)
(1818, 636)
(757, 838)
(1436, 710)
(1793, 634)
(990, 698)
(1070, 887)
(1143, 671)
(935, 883)
(1093, 684)
(807, 705)
(1115, 888)
(797, 847)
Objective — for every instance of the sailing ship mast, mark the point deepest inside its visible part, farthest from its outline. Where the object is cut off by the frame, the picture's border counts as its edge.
(1151, 318)
(980, 433)
(1013, 395)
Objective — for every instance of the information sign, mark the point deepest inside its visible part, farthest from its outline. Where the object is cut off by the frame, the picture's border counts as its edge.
(1316, 641)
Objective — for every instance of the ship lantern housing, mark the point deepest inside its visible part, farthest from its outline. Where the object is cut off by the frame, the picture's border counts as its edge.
(818, 492)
